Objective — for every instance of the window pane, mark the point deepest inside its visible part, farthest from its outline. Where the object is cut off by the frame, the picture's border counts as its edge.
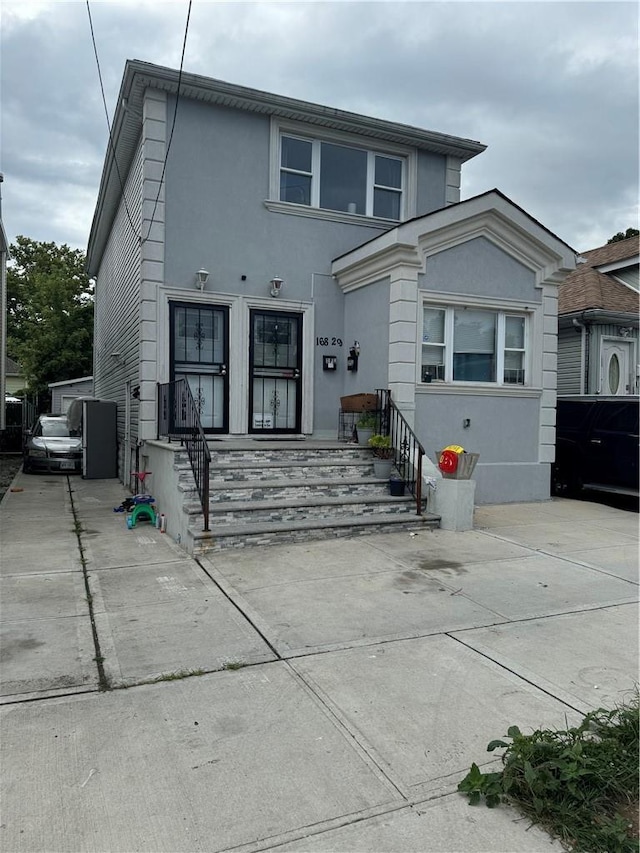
(474, 331)
(474, 346)
(343, 178)
(433, 325)
(514, 333)
(386, 203)
(514, 368)
(296, 154)
(295, 188)
(388, 172)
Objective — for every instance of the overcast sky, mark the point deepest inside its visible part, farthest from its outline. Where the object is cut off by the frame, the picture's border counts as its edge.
(551, 88)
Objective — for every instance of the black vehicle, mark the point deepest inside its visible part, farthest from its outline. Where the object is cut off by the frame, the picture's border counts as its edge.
(596, 445)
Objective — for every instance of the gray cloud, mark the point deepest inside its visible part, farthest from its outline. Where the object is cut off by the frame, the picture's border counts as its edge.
(551, 88)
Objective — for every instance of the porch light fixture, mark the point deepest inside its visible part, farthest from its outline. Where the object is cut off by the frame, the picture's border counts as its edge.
(202, 276)
(276, 285)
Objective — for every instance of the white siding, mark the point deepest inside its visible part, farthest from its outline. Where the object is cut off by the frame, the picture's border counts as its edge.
(570, 368)
(117, 307)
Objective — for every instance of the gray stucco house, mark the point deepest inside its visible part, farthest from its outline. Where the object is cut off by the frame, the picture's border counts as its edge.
(598, 322)
(258, 221)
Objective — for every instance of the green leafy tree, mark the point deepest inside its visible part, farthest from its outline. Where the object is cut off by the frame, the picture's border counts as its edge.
(49, 313)
(630, 232)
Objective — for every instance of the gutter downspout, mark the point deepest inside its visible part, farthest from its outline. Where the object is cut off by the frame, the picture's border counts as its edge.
(586, 337)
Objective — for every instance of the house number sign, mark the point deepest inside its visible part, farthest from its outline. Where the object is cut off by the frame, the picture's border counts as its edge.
(328, 342)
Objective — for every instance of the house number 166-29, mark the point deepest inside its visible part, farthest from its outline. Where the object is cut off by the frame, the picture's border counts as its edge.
(328, 342)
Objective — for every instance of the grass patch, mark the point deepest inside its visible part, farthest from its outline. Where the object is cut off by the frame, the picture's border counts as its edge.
(175, 676)
(238, 664)
(580, 784)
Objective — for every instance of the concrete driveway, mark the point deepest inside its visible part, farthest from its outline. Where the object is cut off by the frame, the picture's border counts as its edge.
(317, 697)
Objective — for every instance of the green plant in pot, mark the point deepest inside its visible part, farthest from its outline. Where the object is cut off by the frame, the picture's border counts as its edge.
(367, 423)
(383, 455)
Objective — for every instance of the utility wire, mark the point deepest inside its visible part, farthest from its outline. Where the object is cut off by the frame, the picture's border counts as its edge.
(106, 112)
(175, 113)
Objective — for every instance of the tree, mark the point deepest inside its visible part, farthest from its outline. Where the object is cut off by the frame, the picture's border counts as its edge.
(630, 232)
(49, 313)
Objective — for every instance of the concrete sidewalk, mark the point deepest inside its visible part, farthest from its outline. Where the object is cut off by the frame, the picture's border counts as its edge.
(323, 697)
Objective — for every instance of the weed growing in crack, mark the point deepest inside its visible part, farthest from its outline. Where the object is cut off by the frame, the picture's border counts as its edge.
(580, 784)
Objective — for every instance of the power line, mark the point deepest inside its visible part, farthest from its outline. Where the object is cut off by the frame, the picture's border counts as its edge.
(175, 113)
(106, 112)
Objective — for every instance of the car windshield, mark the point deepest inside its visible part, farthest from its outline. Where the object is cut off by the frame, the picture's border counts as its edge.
(53, 429)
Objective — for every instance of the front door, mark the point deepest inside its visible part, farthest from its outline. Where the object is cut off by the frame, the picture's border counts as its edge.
(199, 354)
(616, 367)
(275, 368)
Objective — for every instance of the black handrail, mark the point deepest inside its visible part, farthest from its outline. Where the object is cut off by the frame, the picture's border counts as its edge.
(408, 451)
(178, 417)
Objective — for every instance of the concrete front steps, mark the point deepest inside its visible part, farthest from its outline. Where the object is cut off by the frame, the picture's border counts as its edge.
(264, 493)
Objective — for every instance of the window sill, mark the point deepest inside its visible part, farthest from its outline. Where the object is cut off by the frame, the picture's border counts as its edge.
(477, 389)
(329, 215)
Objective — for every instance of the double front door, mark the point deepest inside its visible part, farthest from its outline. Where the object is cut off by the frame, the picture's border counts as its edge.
(200, 354)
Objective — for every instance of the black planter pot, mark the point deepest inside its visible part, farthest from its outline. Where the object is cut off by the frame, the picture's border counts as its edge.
(396, 487)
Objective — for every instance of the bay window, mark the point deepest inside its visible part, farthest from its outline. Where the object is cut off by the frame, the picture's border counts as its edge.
(469, 344)
(333, 176)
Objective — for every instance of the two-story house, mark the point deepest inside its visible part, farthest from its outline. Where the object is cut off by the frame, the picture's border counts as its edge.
(254, 244)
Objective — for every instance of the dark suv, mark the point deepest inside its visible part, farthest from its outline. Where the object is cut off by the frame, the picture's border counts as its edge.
(596, 445)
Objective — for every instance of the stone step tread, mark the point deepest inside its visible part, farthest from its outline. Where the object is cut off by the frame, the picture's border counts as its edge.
(316, 462)
(284, 483)
(298, 503)
(270, 527)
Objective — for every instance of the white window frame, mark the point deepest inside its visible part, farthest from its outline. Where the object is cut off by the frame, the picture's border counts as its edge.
(501, 312)
(407, 190)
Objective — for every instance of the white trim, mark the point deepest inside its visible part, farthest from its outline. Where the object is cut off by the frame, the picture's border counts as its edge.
(239, 308)
(292, 209)
(490, 215)
(478, 389)
(497, 307)
(313, 133)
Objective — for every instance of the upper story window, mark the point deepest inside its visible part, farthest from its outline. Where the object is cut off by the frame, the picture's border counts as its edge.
(331, 176)
(462, 344)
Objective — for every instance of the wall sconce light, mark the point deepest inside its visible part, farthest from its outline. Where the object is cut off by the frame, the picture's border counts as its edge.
(352, 358)
(202, 276)
(276, 285)
(117, 357)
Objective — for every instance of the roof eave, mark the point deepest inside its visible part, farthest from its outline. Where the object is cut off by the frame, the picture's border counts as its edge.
(127, 125)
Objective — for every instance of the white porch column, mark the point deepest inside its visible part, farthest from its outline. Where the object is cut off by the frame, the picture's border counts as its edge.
(403, 312)
(154, 133)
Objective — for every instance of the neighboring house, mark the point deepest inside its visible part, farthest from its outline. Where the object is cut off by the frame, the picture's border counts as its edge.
(598, 322)
(14, 378)
(62, 393)
(285, 232)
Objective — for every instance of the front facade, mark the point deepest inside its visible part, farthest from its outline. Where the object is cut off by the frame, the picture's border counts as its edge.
(598, 322)
(261, 242)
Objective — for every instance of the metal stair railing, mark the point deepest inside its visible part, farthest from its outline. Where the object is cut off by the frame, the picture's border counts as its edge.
(408, 451)
(179, 417)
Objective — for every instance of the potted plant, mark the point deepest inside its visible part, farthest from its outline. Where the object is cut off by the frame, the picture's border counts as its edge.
(366, 425)
(383, 454)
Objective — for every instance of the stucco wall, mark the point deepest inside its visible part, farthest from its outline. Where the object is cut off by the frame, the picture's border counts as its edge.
(479, 268)
(511, 428)
(216, 218)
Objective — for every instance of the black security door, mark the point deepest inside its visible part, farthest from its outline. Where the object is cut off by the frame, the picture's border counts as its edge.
(199, 353)
(275, 372)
